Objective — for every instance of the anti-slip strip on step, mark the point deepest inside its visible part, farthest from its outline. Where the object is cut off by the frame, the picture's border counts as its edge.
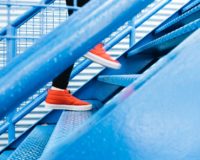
(187, 29)
(5, 155)
(191, 5)
(178, 19)
(32, 147)
(68, 122)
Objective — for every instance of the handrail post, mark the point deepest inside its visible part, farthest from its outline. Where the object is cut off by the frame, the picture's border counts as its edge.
(75, 3)
(11, 52)
(11, 127)
(11, 43)
(132, 32)
(11, 33)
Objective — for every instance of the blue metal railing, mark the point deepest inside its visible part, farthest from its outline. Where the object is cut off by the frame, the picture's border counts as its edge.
(84, 64)
(53, 47)
(12, 43)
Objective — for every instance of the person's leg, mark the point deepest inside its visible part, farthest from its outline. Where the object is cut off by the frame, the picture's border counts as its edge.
(58, 97)
(80, 3)
(61, 81)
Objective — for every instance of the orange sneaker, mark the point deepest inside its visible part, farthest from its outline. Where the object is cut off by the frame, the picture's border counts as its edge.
(63, 100)
(99, 55)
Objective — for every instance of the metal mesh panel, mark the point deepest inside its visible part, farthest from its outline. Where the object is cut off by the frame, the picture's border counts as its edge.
(39, 25)
(2, 53)
(31, 31)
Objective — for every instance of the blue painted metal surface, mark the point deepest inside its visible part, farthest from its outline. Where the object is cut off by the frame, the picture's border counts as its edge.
(16, 44)
(190, 6)
(121, 80)
(80, 67)
(5, 154)
(11, 43)
(187, 17)
(119, 12)
(50, 119)
(68, 124)
(11, 52)
(104, 91)
(123, 34)
(32, 147)
(11, 127)
(119, 99)
(132, 32)
(149, 125)
(168, 41)
(29, 107)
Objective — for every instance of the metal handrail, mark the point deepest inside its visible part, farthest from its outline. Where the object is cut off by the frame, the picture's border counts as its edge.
(39, 6)
(28, 108)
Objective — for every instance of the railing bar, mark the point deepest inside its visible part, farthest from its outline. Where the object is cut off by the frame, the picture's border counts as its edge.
(42, 96)
(40, 6)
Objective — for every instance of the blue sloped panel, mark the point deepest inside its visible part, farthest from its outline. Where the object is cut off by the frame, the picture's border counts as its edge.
(158, 122)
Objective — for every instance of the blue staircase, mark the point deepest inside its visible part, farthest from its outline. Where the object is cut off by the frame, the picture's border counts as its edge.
(133, 130)
(147, 110)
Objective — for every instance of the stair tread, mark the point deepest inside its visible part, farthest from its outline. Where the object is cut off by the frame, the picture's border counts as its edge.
(126, 129)
(33, 146)
(121, 80)
(161, 43)
(179, 18)
(68, 122)
(6, 154)
(190, 6)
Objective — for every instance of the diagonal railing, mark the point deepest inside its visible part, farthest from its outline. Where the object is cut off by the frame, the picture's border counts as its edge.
(128, 29)
(22, 33)
(51, 49)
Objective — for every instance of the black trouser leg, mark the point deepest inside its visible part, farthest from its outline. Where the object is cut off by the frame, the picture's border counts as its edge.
(62, 80)
(80, 3)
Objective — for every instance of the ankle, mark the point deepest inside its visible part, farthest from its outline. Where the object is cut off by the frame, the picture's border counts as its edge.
(57, 89)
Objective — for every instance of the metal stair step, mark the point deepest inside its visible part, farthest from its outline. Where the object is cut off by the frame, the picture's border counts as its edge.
(120, 80)
(190, 6)
(188, 16)
(6, 154)
(168, 41)
(114, 135)
(32, 147)
(67, 124)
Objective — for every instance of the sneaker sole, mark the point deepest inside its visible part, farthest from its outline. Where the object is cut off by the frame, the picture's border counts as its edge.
(102, 61)
(68, 107)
